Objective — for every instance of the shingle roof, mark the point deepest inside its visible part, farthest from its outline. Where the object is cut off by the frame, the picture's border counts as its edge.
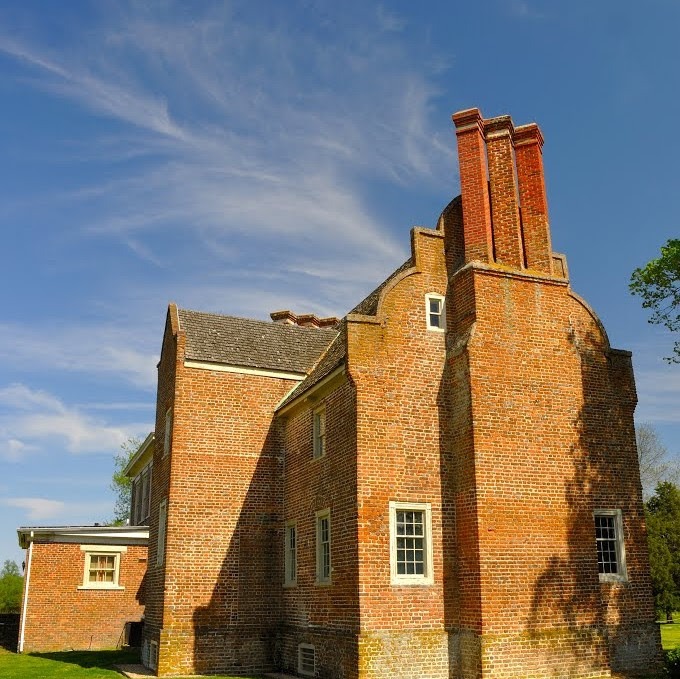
(329, 361)
(253, 344)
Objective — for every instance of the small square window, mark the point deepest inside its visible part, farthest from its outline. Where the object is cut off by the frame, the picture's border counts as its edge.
(319, 432)
(611, 553)
(290, 554)
(102, 566)
(411, 543)
(323, 546)
(435, 311)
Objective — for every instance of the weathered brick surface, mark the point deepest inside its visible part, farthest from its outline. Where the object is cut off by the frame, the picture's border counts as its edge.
(514, 426)
(61, 617)
(216, 595)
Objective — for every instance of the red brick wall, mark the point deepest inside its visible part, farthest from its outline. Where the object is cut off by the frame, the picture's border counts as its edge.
(219, 587)
(326, 615)
(551, 439)
(61, 617)
(396, 364)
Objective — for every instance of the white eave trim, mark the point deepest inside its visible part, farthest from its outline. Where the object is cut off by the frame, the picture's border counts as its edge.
(243, 370)
(340, 370)
(108, 535)
(141, 452)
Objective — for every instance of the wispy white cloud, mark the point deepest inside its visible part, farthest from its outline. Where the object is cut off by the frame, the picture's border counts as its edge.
(37, 508)
(42, 509)
(245, 145)
(101, 349)
(35, 420)
(658, 384)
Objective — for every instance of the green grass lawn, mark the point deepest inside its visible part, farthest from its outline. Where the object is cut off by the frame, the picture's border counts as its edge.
(69, 665)
(670, 635)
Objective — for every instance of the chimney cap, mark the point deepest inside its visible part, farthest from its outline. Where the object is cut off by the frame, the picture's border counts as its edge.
(284, 316)
(498, 126)
(528, 134)
(467, 120)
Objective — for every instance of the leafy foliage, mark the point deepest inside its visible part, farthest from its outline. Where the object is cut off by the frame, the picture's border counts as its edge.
(121, 484)
(658, 284)
(663, 529)
(11, 585)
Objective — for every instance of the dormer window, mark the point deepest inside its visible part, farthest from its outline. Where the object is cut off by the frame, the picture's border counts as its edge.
(435, 312)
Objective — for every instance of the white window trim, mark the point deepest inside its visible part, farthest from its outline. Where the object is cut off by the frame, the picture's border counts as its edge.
(319, 439)
(428, 297)
(320, 578)
(167, 438)
(289, 578)
(428, 577)
(162, 529)
(301, 648)
(102, 550)
(622, 575)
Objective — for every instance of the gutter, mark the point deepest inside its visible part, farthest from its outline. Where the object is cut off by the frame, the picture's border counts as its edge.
(24, 604)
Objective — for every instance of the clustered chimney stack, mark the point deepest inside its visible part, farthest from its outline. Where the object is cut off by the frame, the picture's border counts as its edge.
(505, 212)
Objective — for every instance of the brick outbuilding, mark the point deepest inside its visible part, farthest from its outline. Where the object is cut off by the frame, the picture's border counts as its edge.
(82, 585)
(443, 483)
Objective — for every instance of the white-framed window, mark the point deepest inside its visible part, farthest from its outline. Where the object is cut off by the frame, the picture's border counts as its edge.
(611, 552)
(319, 427)
(435, 311)
(102, 566)
(290, 554)
(162, 524)
(323, 546)
(141, 498)
(411, 543)
(167, 439)
(307, 660)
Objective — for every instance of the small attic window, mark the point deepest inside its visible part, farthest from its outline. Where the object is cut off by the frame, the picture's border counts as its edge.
(435, 312)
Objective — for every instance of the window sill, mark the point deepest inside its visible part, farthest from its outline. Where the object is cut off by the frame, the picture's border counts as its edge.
(611, 578)
(412, 582)
(323, 583)
(289, 585)
(104, 588)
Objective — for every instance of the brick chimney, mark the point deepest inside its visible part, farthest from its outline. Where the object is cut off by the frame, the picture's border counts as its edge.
(505, 215)
(287, 317)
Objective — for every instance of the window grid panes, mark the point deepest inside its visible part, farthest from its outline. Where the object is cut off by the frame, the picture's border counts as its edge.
(324, 537)
(435, 311)
(291, 554)
(605, 535)
(410, 543)
(102, 568)
(320, 433)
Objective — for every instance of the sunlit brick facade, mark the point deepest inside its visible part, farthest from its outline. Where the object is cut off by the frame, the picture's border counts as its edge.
(411, 491)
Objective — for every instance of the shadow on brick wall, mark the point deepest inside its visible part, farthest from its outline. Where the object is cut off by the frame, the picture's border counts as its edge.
(236, 631)
(608, 623)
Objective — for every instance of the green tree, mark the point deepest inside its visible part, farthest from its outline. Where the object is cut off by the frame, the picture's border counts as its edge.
(11, 585)
(658, 284)
(663, 531)
(121, 484)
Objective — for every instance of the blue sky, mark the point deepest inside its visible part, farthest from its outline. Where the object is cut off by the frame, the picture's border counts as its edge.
(243, 157)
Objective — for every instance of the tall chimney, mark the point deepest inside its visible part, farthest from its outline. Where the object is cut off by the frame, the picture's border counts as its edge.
(478, 237)
(507, 234)
(532, 195)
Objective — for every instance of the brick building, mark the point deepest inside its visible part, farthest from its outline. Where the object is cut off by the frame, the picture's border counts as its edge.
(82, 585)
(443, 483)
